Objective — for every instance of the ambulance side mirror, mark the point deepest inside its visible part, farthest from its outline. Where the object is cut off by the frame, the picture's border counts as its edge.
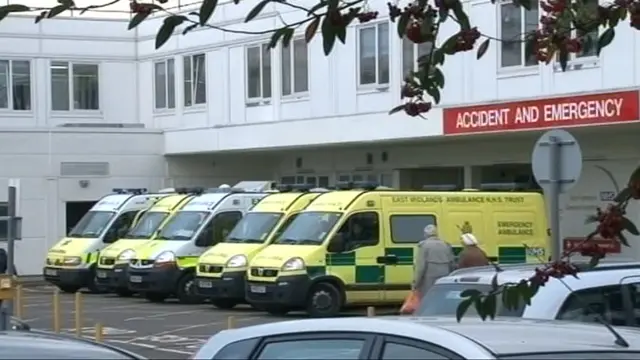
(336, 244)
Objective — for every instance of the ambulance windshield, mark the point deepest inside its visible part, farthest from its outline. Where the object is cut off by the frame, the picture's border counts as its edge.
(92, 224)
(148, 224)
(183, 226)
(254, 228)
(309, 228)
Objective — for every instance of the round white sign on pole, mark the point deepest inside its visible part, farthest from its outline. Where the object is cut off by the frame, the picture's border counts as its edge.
(569, 154)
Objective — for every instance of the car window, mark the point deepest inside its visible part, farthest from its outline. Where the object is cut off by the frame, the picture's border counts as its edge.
(239, 350)
(634, 293)
(586, 305)
(321, 349)
(575, 355)
(443, 300)
(395, 351)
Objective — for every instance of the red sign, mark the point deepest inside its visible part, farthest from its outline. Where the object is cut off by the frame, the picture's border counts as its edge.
(609, 245)
(541, 114)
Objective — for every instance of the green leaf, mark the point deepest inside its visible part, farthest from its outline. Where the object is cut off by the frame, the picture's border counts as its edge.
(396, 109)
(630, 226)
(403, 21)
(462, 308)
(494, 282)
(40, 16)
(470, 293)
(328, 36)
(523, 292)
(341, 33)
(138, 18)
(256, 10)
(482, 49)
(593, 262)
(275, 37)
(438, 77)
(489, 306)
(438, 57)
(605, 39)
(57, 10)
(477, 303)
(206, 10)
(563, 59)
(623, 240)
(166, 30)
(443, 12)
(288, 35)
(7, 9)
(311, 29)
(189, 28)
(449, 46)
(623, 195)
(463, 19)
(434, 93)
(635, 176)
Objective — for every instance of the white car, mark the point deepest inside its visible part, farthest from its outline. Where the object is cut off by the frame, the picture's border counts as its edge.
(396, 338)
(610, 290)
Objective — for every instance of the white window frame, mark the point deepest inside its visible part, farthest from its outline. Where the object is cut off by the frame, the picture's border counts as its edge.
(191, 88)
(72, 108)
(292, 70)
(523, 49)
(166, 85)
(261, 99)
(10, 87)
(377, 84)
(416, 55)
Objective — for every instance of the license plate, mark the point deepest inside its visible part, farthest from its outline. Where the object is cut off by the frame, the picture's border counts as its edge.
(135, 279)
(51, 272)
(101, 274)
(205, 284)
(259, 289)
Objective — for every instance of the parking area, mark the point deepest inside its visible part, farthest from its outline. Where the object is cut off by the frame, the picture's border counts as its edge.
(161, 331)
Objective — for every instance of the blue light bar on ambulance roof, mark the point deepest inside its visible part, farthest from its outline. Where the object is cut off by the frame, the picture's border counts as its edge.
(359, 185)
(192, 190)
(224, 190)
(295, 187)
(505, 186)
(132, 191)
(442, 187)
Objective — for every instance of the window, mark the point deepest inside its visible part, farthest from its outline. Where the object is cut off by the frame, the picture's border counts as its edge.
(361, 229)
(195, 80)
(239, 350)
(374, 54)
(119, 227)
(443, 300)
(383, 179)
(411, 53)
(284, 226)
(15, 84)
(321, 349)
(634, 300)
(223, 223)
(258, 72)
(585, 305)
(414, 350)
(409, 228)
(592, 6)
(4, 211)
(74, 86)
(515, 23)
(319, 181)
(295, 77)
(165, 84)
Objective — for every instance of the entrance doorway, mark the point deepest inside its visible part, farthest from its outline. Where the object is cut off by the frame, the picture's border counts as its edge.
(75, 210)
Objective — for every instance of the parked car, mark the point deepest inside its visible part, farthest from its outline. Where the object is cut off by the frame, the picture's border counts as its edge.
(35, 344)
(395, 338)
(610, 291)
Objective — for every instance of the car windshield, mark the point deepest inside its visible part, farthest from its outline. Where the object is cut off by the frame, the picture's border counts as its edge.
(443, 299)
(92, 224)
(148, 224)
(253, 228)
(309, 228)
(183, 226)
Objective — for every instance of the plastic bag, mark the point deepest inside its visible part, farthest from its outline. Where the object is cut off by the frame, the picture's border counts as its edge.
(411, 303)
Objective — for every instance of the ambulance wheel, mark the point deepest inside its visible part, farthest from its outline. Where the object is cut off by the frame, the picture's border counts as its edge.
(324, 300)
(69, 289)
(156, 297)
(122, 292)
(276, 310)
(224, 304)
(186, 292)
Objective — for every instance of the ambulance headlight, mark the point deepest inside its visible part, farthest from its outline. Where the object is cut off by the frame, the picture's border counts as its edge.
(237, 261)
(127, 255)
(293, 264)
(72, 260)
(165, 257)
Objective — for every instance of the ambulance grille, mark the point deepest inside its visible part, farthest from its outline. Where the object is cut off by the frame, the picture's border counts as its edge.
(107, 261)
(264, 272)
(211, 269)
(138, 262)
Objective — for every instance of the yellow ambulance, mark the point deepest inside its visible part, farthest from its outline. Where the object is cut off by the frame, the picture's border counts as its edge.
(356, 247)
(221, 271)
(111, 273)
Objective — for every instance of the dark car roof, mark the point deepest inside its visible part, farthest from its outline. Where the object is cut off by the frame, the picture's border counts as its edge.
(42, 345)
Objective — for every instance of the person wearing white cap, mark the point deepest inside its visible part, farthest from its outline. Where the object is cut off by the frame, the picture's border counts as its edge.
(434, 260)
(471, 254)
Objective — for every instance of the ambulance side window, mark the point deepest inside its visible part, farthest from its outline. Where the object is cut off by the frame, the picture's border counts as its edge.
(361, 229)
(218, 228)
(409, 228)
(120, 227)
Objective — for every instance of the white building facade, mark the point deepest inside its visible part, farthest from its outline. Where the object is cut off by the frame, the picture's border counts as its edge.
(87, 106)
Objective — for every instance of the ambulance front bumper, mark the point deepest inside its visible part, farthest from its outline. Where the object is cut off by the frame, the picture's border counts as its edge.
(287, 291)
(115, 278)
(68, 277)
(230, 285)
(161, 280)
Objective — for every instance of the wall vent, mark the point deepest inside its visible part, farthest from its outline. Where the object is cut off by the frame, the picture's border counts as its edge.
(84, 169)
(103, 125)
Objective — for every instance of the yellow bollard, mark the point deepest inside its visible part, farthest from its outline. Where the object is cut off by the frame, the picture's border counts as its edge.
(78, 314)
(371, 311)
(99, 333)
(56, 311)
(231, 322)
(19, 299)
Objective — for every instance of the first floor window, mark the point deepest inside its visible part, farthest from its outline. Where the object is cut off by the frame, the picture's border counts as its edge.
(195, 80)
(411, 53)
(295, 77)
(74, 86)
(515, 23)
(374, 54)
(15, 84)
(591, 9)
(258, 72)
(165, 84)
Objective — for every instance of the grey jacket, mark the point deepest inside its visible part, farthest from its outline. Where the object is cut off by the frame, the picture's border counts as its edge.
(434, 260)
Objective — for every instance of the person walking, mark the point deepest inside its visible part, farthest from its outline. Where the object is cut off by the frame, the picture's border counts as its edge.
(435, 259)
(471, 254)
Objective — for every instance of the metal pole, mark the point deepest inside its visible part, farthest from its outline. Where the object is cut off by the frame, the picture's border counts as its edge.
(554, 197)
(11, 246)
